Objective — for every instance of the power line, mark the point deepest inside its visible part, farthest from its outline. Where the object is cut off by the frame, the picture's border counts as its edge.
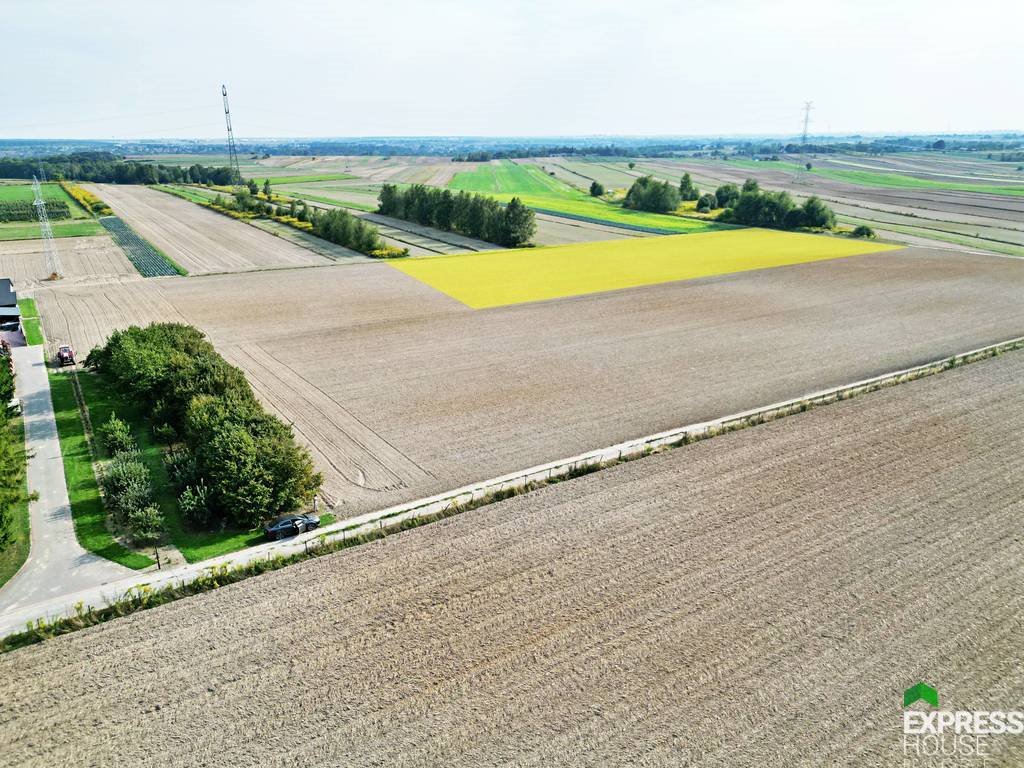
(808, 106)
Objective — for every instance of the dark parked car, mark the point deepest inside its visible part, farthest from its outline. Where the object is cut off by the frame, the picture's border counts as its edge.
(290, 525)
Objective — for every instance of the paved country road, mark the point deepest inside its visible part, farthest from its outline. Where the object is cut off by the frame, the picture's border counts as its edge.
(56, 563)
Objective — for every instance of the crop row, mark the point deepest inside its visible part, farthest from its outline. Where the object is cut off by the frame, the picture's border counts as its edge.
(148, 260)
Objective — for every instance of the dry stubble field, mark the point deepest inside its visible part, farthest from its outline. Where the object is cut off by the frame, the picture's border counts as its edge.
(760, 599)
(83, 259)
(402, 392)
(200, 240)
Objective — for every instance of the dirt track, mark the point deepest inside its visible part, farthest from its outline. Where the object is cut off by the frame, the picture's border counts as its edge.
(403, 392)
(201, 241)
(759, 599)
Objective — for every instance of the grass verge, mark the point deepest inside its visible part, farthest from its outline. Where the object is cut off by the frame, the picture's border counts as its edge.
(30, 322)
(86, 504)
(14, 555)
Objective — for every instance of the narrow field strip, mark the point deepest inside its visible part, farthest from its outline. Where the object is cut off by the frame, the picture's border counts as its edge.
(147, 259)
(500, 278)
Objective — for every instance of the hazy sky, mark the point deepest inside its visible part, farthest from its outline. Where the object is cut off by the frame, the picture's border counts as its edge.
(144, 69)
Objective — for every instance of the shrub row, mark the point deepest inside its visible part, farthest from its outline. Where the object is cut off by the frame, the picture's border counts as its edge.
(12, 453)
(25, 210)
(87, 200)
(241, 463)
(468, 214)
(128, 487)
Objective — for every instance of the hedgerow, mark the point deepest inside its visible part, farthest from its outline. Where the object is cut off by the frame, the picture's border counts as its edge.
(246, 459)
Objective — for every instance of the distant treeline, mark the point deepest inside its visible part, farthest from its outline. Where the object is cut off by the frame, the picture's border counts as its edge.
(472, 215)
(25, 210)
(108, 168)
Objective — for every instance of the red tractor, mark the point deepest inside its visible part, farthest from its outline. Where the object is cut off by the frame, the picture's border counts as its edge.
(65, 356)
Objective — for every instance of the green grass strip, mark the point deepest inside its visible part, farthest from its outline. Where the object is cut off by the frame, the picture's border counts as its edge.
(33, 331)
(66, 228)
(303, 179)
(86, 504)
(28, 308)
(14, 555)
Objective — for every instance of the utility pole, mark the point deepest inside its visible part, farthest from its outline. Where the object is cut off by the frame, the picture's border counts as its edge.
(46, 232)
(232, 151)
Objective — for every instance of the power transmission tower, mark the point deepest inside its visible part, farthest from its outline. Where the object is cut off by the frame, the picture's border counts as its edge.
(46, 232)
(799, 173)
(808, 106)
(232, 152)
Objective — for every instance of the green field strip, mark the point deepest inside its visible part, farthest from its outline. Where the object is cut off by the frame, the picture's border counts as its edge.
(15, 553)
(87, 511)
(303, 179)
(61, 228)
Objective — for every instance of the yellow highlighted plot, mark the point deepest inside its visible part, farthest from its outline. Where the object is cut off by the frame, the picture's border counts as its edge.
(498, 278)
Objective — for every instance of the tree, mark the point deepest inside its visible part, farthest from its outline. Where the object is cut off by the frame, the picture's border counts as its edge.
(519, 224)
(706, 203)
(6, 387)
(596, 189)
(266, 188)
(254, 188)
(808, 166)
(750, 185)
(817, 214)
(940, 144)
(862, 230)
(632, 165)
(727, 195)
(687, 189)
(648, 194)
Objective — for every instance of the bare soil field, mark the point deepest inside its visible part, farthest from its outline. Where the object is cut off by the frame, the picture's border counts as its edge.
(760, 599)
(402, 392)
(558, 230)
(83, 259)
(201, 241)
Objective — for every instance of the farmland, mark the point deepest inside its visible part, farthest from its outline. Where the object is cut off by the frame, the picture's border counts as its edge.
(83, 259)
(649, 613)
(201, 241)
(504, 180)
(401, 391)
(525, 275)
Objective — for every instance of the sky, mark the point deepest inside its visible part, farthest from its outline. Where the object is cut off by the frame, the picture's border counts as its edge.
(117, 69)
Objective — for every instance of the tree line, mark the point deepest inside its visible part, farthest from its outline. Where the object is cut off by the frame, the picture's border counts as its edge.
(235, 464)
(755, 207)
(105, 167)
(12, 454)
(469, 214)
(337, 226)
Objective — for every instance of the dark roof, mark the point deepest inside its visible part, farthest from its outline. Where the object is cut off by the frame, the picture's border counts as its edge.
(8, 298)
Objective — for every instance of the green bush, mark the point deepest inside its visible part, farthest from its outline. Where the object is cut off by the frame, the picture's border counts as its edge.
(596, 189)
(194, 505)
(145, 525)
(6, 383)
(862, 230)
(127, 488)
(727, 195)
(706, 203)
(117, 436)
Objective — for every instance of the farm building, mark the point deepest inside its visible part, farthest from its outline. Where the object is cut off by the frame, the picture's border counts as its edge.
(10, 317)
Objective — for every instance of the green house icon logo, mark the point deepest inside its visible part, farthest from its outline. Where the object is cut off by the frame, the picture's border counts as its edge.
(920, 692)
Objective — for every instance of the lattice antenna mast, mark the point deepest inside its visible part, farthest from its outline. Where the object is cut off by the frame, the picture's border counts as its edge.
(46, 232)
(232, 151)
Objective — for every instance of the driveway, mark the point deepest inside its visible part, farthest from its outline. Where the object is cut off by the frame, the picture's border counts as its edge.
(56, 563)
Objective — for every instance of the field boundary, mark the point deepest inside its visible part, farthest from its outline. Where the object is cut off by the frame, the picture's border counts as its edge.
(76, 611)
